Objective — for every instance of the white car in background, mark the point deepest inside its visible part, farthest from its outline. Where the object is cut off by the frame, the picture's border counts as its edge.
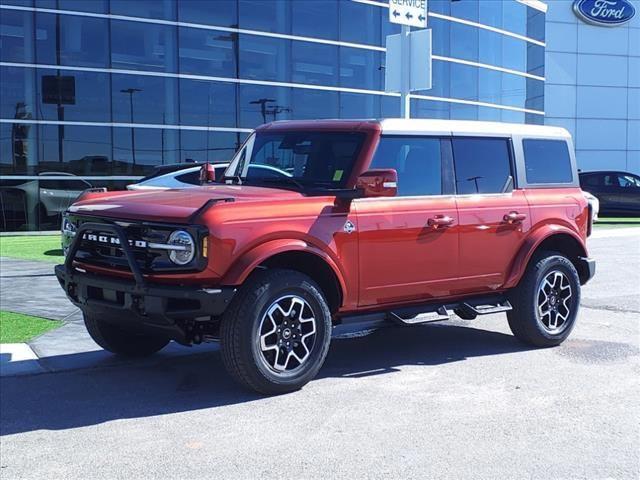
(190, 177)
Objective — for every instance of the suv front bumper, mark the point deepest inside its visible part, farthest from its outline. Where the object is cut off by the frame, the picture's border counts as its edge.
(150, 306)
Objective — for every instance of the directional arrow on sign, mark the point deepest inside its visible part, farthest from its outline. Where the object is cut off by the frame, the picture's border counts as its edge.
(412, 13)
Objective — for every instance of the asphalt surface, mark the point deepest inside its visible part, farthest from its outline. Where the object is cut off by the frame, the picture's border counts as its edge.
(453, 400)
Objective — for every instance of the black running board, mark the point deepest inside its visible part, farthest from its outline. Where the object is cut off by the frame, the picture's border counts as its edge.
(433, 312)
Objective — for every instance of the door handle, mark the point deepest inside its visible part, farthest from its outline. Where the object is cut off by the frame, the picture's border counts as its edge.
(514, 217)
(440, 221)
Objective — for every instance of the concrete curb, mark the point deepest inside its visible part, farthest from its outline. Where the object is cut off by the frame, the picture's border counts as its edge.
(18, 359)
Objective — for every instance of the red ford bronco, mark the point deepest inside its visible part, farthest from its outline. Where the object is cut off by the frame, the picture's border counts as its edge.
(403, 221)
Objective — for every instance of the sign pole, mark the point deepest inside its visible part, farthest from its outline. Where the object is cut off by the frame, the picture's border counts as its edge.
(405, 69)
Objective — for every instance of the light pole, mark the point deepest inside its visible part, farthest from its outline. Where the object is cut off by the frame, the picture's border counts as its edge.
(130, 92)
(263, 106)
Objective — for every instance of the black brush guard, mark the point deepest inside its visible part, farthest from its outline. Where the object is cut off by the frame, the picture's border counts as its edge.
(137, 304)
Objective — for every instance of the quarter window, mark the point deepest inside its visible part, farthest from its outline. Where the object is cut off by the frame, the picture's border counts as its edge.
(547, 161)
(482, 165)
(418, 162)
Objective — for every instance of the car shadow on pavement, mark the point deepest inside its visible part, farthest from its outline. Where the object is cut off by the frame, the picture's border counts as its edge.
(88, 397)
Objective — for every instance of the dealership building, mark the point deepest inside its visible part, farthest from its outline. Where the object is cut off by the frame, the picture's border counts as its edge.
(98, 92)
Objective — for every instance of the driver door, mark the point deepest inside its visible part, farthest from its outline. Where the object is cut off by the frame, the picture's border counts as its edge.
(408, 244)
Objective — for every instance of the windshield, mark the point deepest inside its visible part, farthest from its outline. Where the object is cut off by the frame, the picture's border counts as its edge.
(297, 159)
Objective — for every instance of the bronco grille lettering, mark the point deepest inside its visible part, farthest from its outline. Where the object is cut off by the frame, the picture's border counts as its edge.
(113, 241)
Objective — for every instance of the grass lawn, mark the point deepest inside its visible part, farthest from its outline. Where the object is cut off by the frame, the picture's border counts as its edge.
(17, 328)
(36, 247)
(617, 222)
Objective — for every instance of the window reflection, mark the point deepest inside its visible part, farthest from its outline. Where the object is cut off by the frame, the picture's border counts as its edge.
(207, 52)
(140, 99)
(16, 36)
(203, 146)
(18, 152)
(76, 149)
(314, 63)
(222, 12)
(260, 104)
(353, 105)
(139, 46)
(315, 18)
(18, 92)
(162, 9)
(137, 150)
(271, 16)
(83, 96)
(361, 68)
(265, 58)
(95, 6)
(207, 103)
(82, 42)
(310, 104)
(359, 23)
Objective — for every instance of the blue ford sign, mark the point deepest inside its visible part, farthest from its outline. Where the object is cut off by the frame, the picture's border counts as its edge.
(604, 12)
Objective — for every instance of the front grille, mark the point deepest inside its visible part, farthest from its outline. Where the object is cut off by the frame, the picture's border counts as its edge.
(102, 248)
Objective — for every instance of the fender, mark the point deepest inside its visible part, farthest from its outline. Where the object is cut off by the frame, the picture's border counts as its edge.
(530, 245)
(241, 269)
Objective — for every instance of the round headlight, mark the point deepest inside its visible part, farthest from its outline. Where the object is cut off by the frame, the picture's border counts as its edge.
(185, 247)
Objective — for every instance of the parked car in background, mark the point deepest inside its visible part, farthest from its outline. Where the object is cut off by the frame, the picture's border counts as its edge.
(58, 190)
(181, 175)
(189, 176)
(39, 200)
(618, 192)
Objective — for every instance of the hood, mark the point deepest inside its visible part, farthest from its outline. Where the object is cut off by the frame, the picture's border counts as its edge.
(172, 205)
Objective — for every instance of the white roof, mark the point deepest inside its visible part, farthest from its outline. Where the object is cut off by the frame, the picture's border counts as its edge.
(413, 126)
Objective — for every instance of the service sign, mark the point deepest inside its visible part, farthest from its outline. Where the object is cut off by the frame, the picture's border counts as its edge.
(408, 12)
(608, 13)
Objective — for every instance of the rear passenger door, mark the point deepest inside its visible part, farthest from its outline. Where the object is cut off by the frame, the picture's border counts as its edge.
(493, 217)
(401, 256)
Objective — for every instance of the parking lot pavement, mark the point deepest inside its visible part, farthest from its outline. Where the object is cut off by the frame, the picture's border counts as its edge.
(31, 288)
(453, 400)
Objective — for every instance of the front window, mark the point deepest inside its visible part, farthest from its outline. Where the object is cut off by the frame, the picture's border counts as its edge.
(297, 159)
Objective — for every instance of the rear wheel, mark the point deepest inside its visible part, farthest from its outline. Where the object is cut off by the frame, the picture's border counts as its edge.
(123, 342)
(545, 304)
(276, 333)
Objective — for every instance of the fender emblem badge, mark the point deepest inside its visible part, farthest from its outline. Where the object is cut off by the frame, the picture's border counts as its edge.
(349, 227)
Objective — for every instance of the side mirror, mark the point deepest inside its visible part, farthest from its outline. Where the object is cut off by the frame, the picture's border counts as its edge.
(381, 182)
(207, 174)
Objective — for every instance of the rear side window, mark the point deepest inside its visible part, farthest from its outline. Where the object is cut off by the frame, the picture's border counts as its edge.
(547, 161)
(482, 165)
(417, 160)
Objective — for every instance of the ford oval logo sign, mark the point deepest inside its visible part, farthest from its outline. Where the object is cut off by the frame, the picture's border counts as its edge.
(604, 12)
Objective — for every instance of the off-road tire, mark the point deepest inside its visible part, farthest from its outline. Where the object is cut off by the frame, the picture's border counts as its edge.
(524, 320)
(123, 342)
(239, 330)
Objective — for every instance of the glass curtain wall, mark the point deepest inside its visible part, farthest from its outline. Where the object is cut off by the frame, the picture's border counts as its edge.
(97, 93)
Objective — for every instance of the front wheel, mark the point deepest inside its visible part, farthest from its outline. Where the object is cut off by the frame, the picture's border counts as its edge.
(123, 342)
(276, 333)
(546, 302)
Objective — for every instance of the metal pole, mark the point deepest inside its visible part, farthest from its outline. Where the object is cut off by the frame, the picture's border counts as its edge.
(133, 134)
(405, 73)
